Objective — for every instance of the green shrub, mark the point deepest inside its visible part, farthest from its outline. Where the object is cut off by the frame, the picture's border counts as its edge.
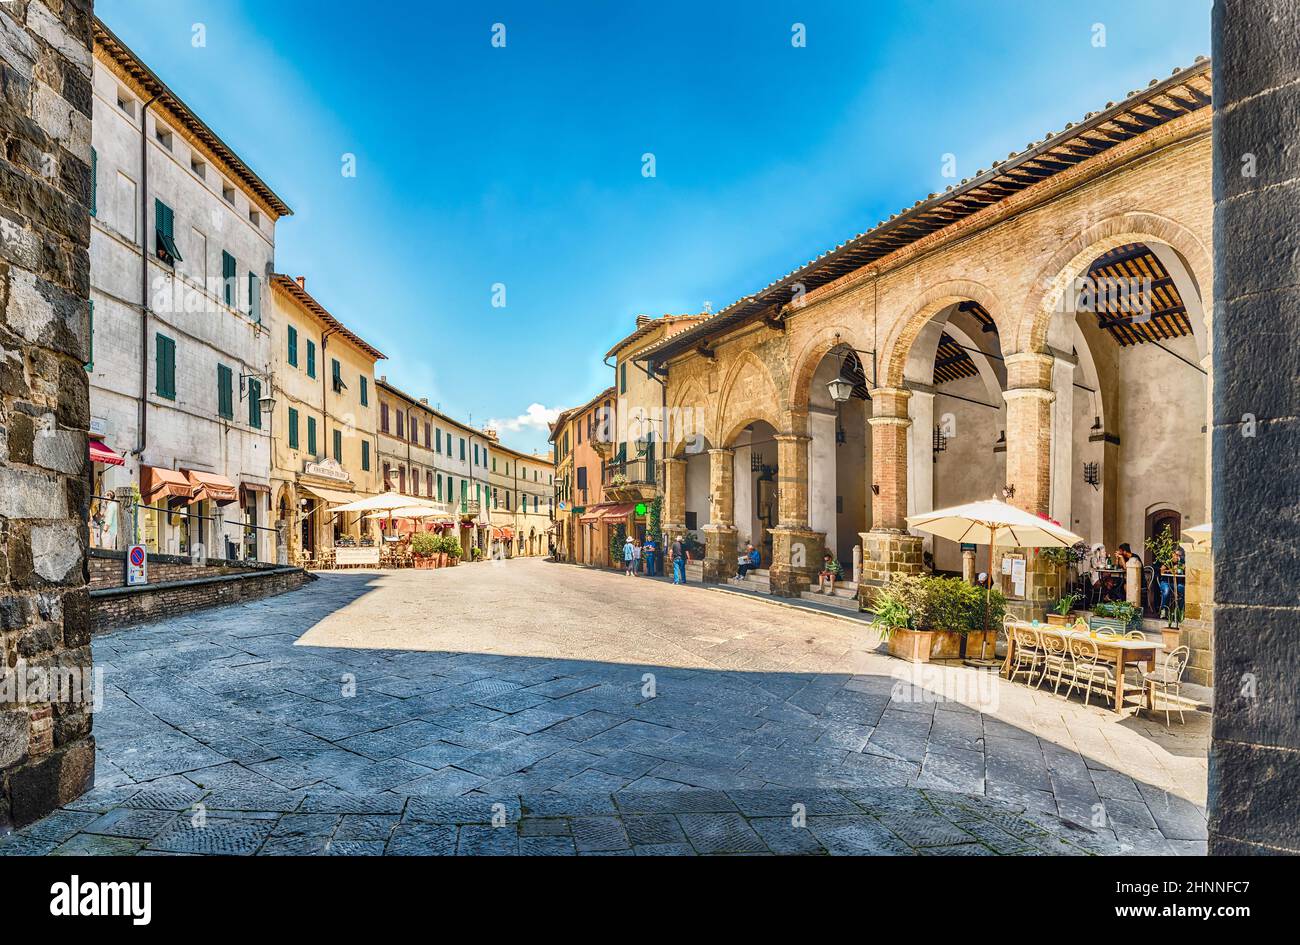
(891, 611)
(424, 544)
(449, 545)
(922, 602)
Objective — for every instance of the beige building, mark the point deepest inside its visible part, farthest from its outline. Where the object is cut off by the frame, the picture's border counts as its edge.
(324, 429)
(522, 503)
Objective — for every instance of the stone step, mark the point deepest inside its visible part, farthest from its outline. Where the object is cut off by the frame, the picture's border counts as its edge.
(752, 583)
(832, 600)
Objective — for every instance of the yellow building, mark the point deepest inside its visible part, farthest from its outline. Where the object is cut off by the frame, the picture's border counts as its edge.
(522, 489)
(561, 439)
(325, 449)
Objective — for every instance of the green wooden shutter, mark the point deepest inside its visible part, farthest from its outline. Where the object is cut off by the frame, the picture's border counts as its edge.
(365, 391)
(228, 278)
(311, 359)
(439, 487)
(94, 189)
(293, 346)
(254, 403)
(293, 428)
(165, 366)
(365, 455)
(254, 297)
(311, 435)
(225, 392)
(338, 446)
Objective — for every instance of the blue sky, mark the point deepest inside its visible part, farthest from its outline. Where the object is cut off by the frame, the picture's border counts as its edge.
(522, 165)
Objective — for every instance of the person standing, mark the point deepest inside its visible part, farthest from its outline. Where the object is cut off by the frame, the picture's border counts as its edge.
(650, 552)
(636, 558)
(679, 561)
(627, 556)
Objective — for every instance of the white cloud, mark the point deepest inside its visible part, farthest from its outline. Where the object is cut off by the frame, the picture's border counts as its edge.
(536, 417)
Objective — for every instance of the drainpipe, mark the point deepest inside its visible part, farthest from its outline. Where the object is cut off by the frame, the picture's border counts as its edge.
(142, 435)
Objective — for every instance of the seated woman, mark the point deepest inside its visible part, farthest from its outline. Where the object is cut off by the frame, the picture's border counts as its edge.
(830, 573)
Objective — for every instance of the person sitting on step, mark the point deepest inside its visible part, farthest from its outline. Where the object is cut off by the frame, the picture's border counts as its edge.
(748, 561)
(830, 573)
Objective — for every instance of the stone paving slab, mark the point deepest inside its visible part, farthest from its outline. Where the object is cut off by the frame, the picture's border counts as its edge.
(281, 727)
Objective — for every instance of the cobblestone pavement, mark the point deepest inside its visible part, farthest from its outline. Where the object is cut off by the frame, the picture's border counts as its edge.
(537, 708)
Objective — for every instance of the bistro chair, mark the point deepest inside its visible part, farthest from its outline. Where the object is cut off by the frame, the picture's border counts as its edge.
(1029, 656)
(1056, 658)
(1087, 670)
(1008, 629)
(1168, 680)
(1151, 597)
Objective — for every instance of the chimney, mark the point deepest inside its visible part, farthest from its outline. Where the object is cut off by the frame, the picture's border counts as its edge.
(383, 378)
(302, 282)
(425, 401)
(643, 320)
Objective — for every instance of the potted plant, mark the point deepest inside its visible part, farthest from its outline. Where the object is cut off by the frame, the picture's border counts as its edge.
(1114, 615)
(937, 617)
(892, 618)
(451, 546)
(983, 619)
(1165, 557)
(1062, 612)
(424, 546)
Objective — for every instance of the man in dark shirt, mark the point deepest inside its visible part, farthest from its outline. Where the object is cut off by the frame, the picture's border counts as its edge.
(679, 561)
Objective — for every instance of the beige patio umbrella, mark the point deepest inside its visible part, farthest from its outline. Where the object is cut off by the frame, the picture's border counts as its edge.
(997, 523)
(412, 511)
(386, 502)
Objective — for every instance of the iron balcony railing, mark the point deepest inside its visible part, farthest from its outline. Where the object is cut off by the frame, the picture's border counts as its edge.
(631, 472)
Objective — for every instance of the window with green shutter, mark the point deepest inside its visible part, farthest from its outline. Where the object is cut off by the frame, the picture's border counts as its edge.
(164, 366)
(336, 376)
(293, 346)
(365, 391)
(462, 449)
(338, 446)
(225, 392)
(293, 428)
(254, 297)
(311, 435)
(228, 288)
(254, 403)
(439, 487)
(94, 189)
(365, 455)
(311, 358)
(164, 237)
(437, 439)
(622, 378)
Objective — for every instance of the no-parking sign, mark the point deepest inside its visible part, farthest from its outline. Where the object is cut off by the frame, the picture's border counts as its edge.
(137, 565)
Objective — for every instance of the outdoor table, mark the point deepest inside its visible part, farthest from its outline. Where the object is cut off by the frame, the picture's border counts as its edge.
(356, 557)
(1121, 652)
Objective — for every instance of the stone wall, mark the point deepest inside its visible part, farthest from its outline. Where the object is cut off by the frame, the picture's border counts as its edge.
(47, 754)
(123, 606)
(1254, 796)
(108, 569)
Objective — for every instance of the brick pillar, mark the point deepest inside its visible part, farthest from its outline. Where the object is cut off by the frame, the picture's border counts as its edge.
(47, 754)
(1029, 430)
(674, 506)
(796, 548)
(888, 549)
(720, 534)
(1197, 630)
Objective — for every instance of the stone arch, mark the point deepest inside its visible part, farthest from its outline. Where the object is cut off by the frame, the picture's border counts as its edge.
(688, 416)
(759, 400)
(1042, 326)
(818, 345)
(922, 311)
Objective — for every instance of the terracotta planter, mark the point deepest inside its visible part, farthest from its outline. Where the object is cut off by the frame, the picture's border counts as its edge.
(921, 646)
(1171, 637)
(1062, 620)
(980, 644)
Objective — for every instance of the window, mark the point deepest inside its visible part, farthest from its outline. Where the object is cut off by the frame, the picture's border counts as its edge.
(365, 391)
(439, 487)
(415, 481)
(388, 477)
(163, 135)
(254, 217)
(255, 403)
(582, 477)
(494, 466)
(534, 503)
(254, 297)
(336, 376)
(225, 392)
(165, 366)
(401, 425)
(311, 435)
(475, 454)
(198, 167)
(428, 483)
(126, 102)
(164, 237)
(438, 440)
(338, 446)
(311, 358)
(228, 193)
(622, 378)
(293, 428)
(428, 435)
(94, 203)
(383, 417)
(507, 501)
(293, 346)
(401, 478)
(228, 288)
(462, 449)
(365, 455)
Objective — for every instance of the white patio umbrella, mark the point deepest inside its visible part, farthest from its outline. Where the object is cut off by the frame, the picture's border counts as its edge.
(412, 511)
(997, 523)
(386, 502)
(1200, 536)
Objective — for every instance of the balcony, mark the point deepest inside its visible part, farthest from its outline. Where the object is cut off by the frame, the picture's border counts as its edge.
(469, 508)
(630, 480)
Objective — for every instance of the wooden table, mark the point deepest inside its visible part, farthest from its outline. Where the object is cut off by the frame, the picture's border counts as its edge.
(1120, 652)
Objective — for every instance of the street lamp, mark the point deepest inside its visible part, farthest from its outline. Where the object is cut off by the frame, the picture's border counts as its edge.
(841, 389)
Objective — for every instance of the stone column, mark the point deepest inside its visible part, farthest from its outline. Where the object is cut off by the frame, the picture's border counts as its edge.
(920, 446)
(796, 548)
(822, 484)
(720, 533)
(124, 509)
(1255, 746)
(888, 549)
(47, 753)
(1064, 468)
(673, 522)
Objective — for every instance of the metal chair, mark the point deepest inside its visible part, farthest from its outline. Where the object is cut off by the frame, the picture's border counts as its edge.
(1087, 670)
(1168, 679)
(1028, 655)
(1150, 599)
(1056, 658)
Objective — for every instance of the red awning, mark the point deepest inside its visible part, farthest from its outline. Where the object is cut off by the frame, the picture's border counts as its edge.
(99, 453)
(158, 483)
(210, 486)
(507, 533)
(619, 511)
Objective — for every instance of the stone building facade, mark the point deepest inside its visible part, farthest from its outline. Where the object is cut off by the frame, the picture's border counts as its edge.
(47, 752)
(324, 429)
(1038, 331)
(522, 503)
(182, 248)
(583, 439)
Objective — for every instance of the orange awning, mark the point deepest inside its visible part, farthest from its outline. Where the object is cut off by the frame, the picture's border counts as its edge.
(157, 483)
(99, 453)
(619, 511)
(210, 486)
(507, 533)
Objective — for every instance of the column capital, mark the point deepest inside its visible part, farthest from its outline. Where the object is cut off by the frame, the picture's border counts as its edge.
(722, 451)
(791, 437)
(674, 460)
(890, 401)
(1029, 369)
(889, 421)
(1036, 393)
